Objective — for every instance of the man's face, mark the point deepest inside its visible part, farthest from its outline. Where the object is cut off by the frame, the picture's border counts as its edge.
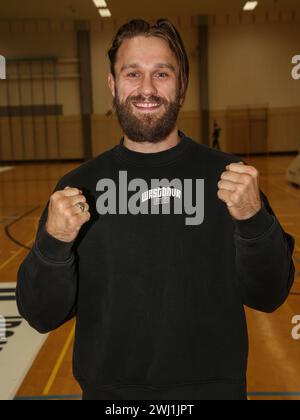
(146, 89)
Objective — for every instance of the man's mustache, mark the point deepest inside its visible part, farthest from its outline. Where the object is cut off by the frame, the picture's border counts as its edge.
(141, 99)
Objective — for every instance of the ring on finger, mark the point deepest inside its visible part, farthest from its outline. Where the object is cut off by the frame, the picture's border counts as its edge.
(81, 206)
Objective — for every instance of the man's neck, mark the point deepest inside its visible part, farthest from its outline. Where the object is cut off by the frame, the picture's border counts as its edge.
(145, 147)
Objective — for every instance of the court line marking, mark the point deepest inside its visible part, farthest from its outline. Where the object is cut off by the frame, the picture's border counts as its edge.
(13, 223)
(59, 362)
(9, 260)
(274, 394)
(62, 397)
(68, 341)
(6, 169)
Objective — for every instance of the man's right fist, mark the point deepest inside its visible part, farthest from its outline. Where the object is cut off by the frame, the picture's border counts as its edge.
(65, 218)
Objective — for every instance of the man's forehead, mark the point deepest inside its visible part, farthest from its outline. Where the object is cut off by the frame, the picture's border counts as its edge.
(156, 52)
(140, 41)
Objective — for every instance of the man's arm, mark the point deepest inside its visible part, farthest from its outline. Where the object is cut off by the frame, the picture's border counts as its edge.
(265, 268)
(47, 279)
(264, 264)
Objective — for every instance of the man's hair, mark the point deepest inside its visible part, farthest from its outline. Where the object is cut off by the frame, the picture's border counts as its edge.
(161, 28)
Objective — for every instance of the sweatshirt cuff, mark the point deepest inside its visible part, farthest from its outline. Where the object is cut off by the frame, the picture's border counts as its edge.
(53, 248)
(255, 226)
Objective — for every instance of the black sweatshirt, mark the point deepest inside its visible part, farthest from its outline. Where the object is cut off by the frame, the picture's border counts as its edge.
(158, 295)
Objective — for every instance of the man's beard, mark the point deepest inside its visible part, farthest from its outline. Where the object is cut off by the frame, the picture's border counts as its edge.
(147, 127)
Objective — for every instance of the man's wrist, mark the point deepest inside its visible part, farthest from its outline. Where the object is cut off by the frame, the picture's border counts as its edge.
(255, 226)
(53, 248)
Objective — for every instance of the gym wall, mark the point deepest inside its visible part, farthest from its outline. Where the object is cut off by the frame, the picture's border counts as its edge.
(267, 115)
(250, 67)
(40, 134)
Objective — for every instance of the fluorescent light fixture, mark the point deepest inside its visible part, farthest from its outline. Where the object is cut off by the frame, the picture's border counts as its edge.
(250, 5)
(100, 3)
(104, 12)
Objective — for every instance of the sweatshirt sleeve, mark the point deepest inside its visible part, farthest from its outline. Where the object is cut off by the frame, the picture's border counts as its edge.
(47, 281)
(264, 263)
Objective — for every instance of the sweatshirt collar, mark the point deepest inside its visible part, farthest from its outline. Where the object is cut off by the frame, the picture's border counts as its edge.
(153, 159)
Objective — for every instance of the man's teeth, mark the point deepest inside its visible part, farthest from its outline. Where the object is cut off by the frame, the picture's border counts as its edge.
(150, 105)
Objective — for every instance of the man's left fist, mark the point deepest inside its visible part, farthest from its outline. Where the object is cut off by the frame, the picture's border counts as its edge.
(239, 189)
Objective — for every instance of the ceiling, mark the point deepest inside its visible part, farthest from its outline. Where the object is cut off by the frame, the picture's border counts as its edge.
(85, 9)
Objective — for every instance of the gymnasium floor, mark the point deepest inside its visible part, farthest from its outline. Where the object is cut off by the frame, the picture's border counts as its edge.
(274, 368)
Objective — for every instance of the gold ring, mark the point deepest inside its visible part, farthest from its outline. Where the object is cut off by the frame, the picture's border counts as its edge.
(81, 206)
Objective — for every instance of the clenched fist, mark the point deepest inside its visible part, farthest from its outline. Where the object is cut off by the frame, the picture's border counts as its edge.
(65, 217)
(239, 189)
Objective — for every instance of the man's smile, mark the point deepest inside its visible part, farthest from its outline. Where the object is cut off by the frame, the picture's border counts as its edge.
(147, 106)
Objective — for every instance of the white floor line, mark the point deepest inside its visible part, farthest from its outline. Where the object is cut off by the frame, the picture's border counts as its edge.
(6, 168)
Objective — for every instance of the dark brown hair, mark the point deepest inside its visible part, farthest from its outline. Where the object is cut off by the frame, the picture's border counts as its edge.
(162, 28)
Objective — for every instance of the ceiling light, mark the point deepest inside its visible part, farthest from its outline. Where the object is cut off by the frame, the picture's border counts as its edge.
(100, 3)
(105, 12)
(250, 5)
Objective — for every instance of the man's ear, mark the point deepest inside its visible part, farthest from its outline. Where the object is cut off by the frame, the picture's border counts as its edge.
(111, 84)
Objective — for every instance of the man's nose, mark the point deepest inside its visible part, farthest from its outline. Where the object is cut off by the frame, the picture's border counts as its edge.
(147, 86)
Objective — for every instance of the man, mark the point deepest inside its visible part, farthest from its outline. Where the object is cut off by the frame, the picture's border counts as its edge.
(216, 136)
(156, 245)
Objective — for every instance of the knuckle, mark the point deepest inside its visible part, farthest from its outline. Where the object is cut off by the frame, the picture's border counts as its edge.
(54, 197)
(252, 170)
(82, 199)
(240, 188)
(246, 179)
(61, 204)
(234, 197)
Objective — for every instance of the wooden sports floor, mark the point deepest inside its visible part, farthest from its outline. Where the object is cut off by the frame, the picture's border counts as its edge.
(274, 368)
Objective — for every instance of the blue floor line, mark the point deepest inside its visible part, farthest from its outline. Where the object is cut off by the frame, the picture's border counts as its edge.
(274, 394)
(67, 397)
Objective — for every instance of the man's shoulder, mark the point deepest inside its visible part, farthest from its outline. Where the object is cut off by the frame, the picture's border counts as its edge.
(86, 172)
(202, 151)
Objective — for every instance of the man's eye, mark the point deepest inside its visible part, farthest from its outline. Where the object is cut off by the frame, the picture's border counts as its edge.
(133, 74)
(163, 75)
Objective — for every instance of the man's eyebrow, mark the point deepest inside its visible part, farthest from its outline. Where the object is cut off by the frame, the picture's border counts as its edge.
(165, 65)
(157, 65)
